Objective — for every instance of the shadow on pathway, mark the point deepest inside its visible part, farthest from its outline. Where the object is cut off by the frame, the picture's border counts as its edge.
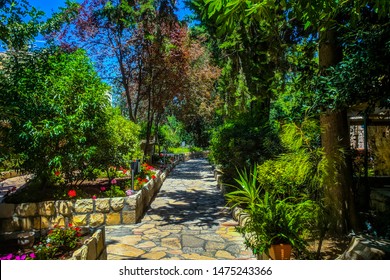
(187, 220)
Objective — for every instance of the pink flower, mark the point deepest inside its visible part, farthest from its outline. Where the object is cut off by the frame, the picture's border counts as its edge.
(94, 197)
(32, 256)
(113, 181)
(102, 189)
(129, 192)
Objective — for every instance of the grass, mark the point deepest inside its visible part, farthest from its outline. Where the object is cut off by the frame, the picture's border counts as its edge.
(183, 150)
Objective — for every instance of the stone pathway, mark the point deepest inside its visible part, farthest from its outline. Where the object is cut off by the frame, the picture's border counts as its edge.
(187, 220)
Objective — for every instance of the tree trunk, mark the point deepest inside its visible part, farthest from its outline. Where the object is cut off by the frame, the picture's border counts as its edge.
(339, 198)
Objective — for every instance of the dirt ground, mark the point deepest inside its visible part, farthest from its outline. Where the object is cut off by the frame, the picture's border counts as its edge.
(331, 248)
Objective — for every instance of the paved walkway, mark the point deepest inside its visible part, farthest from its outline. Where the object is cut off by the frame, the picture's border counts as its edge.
(187, 220)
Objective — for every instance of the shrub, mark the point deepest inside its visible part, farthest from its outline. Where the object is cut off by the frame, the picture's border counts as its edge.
(298, 171)
(121, 144)
(242, 143)
(57, 108)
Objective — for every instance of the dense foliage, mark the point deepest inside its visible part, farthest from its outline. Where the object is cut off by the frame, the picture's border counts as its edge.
(58, 107)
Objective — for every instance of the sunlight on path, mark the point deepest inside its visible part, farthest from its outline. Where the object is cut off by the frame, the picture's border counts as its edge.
(187, 220)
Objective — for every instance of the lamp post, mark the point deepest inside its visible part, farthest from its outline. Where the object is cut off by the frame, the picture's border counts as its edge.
(135, 169)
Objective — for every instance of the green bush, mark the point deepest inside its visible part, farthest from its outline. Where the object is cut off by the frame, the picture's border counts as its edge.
(241, 144)
(121, 144)
(57, 108)
(298, 171)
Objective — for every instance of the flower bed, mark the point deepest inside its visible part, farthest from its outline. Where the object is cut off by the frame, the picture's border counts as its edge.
(69, 242)
(91, 212)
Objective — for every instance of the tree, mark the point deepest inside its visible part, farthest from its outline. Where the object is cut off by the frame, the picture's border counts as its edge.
(19, 24)
(61, 105)
(141, 45)
(311, 19)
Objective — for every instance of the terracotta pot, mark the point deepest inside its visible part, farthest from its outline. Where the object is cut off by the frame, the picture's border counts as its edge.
(280, 252)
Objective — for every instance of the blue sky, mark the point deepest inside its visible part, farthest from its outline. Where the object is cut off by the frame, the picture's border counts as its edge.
(49, 6)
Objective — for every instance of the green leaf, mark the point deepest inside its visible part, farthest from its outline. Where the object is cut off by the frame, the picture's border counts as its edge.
(307, 25)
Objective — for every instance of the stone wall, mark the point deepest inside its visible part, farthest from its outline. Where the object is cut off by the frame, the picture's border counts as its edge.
(80, 212)
(94, 248)
(9, 174)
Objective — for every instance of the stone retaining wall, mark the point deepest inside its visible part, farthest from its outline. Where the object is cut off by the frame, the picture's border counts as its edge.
(9, 174)
(80, 212)
(94, 248)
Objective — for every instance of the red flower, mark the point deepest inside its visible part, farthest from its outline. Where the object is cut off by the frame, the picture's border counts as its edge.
(70, 225)
(145, 180)
(94, 197)
(139, 179)
(154, 177)
(72, 193)
(124, 171)
(57, 173)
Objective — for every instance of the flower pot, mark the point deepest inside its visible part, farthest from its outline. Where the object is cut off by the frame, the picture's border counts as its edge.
(280, 252)
(26, 240)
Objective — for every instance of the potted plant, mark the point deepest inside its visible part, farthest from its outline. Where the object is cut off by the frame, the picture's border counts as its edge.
(273, 225)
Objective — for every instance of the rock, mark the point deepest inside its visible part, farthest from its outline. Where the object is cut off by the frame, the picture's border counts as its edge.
(80, 220)
(113, 219)
(26, 209)
(6, 210)
(96, 219)
(154, 255)
(128, 217)
(367, 248)
(192, 241)
(64, 207)
(171, 243)
(224, 255)
(46, 208)
(84, 206)
(103, 205)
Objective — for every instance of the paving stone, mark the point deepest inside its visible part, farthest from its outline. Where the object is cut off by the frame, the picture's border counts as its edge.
(144, 245)
(211, 245)
(156, 249)
(130, 240)
(211, 237)
(171, 243)
(234, 249)
(198, 250)
(124, 250)
(192, 241)
(155, 233)
(224, 255)
(154, 255)
(195, 256)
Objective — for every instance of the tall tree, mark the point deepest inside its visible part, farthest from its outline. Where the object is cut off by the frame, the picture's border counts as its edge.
(312, 19)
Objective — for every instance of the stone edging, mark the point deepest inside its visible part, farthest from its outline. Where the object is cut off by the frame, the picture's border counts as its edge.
(80, 212)
(94, 248)
(238, 213)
